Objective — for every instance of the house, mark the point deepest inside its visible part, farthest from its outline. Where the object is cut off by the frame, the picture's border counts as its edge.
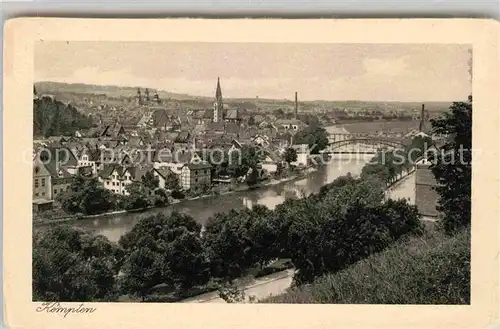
(174, 161)
(42, 182)
(271, 162)
(196, 176)
(289, 124)
(116, 178)
(303, 155)
(113, 130)
(61, 181)
(162, 173)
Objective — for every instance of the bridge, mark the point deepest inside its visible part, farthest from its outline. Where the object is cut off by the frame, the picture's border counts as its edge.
(361, 143)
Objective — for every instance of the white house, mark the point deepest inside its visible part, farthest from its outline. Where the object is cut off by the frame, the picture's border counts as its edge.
(271, 162)
(116, 178)
(303, 155)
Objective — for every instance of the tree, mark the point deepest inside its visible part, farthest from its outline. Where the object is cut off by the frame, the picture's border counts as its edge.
(314, 136)
(228, 244)
(138, 197)
(71, 265)
(251, 121)
(169, 250)
(161, 198)
(150, 181)
(54, 118)
(87, 196)
(290, 155)
(172, 181)
(141, 272)
(452, 167)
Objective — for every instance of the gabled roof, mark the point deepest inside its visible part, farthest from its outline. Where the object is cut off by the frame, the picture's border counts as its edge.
(163, 171)
(198, 166)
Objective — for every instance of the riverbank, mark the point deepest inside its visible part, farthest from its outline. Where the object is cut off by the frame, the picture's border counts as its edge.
(242, 188)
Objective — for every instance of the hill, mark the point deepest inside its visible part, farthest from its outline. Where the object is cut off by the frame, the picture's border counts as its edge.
(432, 269)
(54, 118)
(68, 91)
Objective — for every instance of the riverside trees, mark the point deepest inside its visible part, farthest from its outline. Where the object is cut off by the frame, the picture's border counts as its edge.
(163, 250)
(71, 265)
(347, 221)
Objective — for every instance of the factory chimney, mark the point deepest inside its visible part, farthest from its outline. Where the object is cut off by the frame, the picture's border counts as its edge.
(296, 106)
(422, 119)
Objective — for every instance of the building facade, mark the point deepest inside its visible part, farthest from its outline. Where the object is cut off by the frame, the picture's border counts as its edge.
(426, 197)
(196, 176)
(42, 182)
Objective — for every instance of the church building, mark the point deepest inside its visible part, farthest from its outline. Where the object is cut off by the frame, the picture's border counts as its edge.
(218, 104)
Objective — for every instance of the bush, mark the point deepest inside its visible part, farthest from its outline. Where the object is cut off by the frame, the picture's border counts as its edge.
(179, 195)
(432, 269)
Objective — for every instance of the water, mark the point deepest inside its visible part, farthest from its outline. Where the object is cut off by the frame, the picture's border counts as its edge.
(114, 226)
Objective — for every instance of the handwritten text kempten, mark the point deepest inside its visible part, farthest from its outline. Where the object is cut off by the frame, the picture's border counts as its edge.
(55, 307)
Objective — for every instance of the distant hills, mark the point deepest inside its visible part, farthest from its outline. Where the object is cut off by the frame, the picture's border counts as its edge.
(60, 89)
(109, 91)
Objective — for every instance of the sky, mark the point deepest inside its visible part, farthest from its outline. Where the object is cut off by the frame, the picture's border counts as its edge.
(370, 72)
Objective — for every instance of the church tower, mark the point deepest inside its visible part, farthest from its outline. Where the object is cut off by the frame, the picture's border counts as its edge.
(146, 93)
(218, 104)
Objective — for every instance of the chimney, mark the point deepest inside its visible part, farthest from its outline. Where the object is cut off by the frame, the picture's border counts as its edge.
(296, 106)
(422, 118)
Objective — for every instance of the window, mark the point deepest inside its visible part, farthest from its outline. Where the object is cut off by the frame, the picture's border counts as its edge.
(196, 180)
(36, 194)
(36, 183)
(123, 183)
(55, 191)
(43, 193)
(43, 182)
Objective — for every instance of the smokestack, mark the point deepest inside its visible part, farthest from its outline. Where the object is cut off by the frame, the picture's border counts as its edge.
(422, 118)
(296, 105)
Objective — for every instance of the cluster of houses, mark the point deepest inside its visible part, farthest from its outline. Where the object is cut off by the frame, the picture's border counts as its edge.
(161, 143)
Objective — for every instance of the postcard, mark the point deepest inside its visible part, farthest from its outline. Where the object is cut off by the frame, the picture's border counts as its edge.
(285, 173)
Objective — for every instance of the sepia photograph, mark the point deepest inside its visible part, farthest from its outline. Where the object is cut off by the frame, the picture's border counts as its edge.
(192, 173)
(252, 172)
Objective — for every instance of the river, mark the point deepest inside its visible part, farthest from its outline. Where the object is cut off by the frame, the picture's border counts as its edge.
(114, 226)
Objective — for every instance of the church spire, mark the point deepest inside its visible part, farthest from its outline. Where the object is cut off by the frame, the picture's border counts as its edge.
(218, 91)
(218, 104)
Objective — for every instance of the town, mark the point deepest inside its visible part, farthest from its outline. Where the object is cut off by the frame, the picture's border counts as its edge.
(187, 151)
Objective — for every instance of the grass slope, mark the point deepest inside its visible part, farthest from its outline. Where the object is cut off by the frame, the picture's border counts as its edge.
(432, 269)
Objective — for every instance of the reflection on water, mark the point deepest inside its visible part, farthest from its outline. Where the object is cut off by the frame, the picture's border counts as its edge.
(115, 226)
